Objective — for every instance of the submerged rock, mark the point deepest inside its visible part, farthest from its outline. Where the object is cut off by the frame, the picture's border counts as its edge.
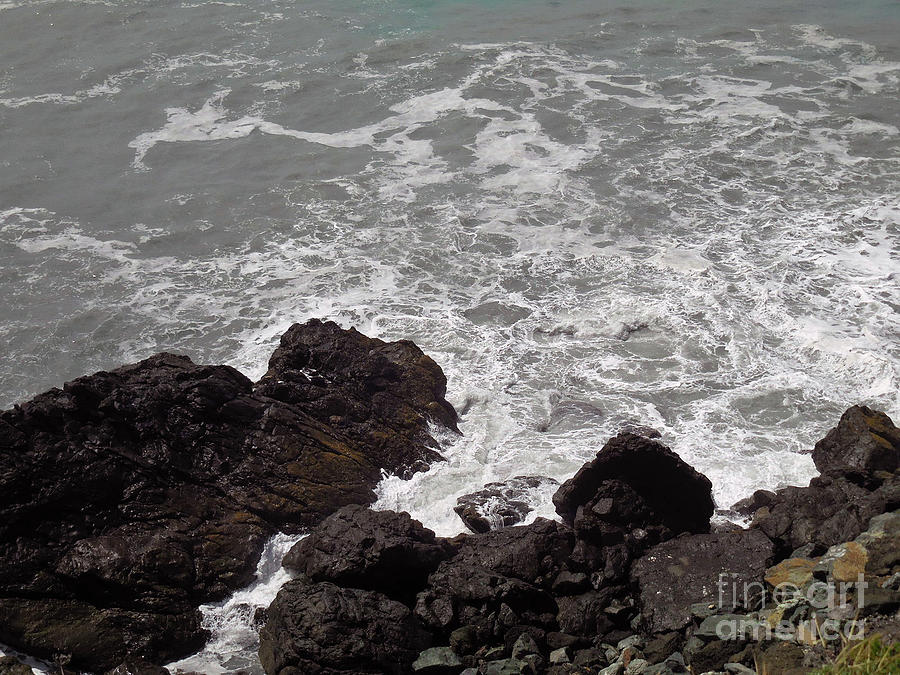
(129, 497)
(501, 504)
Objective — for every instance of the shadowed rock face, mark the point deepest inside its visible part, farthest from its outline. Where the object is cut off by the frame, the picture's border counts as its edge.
(129, 497)
(635, 482)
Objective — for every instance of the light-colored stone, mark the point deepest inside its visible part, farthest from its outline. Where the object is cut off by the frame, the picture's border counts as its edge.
(636, 667)
(559, 656)
(844, 562)
(436, 657)
(794, 571)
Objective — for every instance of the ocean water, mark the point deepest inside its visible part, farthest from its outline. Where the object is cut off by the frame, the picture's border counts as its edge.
(591, 214)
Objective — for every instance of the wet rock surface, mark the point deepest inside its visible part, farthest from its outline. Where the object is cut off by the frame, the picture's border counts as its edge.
(630, 582)
(129, 497)
(501, 504)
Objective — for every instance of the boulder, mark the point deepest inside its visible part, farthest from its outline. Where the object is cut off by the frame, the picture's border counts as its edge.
(497, 580)
(635, 482)
(864, 442)
(374, 550)
(501, 504)
(319, 627)
(700, 568)
(382, 395)
(129, 497)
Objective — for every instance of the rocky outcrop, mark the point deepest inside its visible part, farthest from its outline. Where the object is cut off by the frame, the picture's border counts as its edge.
(858, 460)
(372, 550)
(631, 582)
(507, 598)
(129, 497)
(864, 443)
(501, 504)
(380, 395)
(636, 483)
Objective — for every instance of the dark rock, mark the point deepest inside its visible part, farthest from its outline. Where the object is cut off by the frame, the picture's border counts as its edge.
(129, 497)
(379, 394)
(375, 550)
(685, 571)
(465, 640)
(714, 655)
(322, 627)
(864, 442)
(583, 614)
(501, 504)
(780, 657)
(633, 483)
(569, 583)
(499, 577)
(662, 646)
(858, 460)
(590, 658)
(830, 511)
(10, 665)
(750, 505)
(556, 640)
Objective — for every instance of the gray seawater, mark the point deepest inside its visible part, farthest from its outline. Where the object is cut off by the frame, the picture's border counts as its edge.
(680, 214)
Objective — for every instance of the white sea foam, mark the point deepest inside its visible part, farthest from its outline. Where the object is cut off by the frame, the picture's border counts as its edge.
(234, 634)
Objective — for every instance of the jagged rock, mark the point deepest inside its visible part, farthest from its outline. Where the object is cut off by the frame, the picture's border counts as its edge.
(830, 511)
(339, 630)
(129, 497)
(512, 568)
(380, 394)
(864, 442)
(375, 550)
(501, 504)
(681, 572)
(857, 484)
(634, 483)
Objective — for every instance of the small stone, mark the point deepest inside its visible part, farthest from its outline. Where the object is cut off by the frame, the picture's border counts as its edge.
(592, 658)
(629, 654)
(738, 669)
(437, 660)
(502, 667)
(570, 583)
(794, 571)
(556, 640)
(662, 646)
(524, 645)
(559, 656)
(632, 641)
(614, 669)
(463, 640)
(636, 666)
(843, 562)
